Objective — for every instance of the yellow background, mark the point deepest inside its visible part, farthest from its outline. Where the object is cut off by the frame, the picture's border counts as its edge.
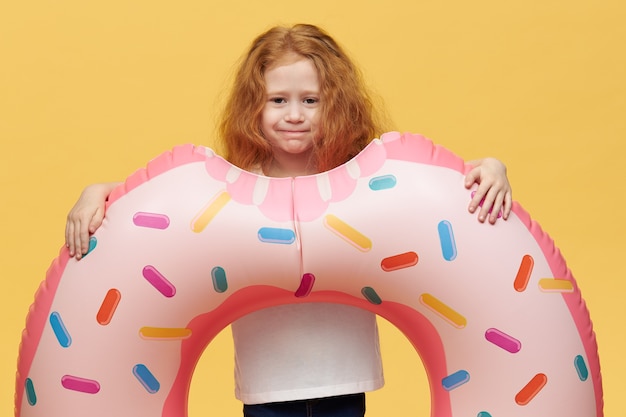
(90, 91)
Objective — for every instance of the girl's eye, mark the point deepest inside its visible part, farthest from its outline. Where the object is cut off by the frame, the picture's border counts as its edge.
(310, 100)
(277, 100)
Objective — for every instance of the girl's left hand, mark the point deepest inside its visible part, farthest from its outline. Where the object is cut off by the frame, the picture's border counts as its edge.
(493, 195)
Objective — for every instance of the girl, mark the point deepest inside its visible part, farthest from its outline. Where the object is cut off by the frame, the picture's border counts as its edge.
(299, 107)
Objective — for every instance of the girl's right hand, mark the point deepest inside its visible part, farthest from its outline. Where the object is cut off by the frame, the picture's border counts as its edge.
(85, 217)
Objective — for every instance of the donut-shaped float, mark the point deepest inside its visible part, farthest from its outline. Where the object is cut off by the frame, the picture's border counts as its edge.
(191, 243)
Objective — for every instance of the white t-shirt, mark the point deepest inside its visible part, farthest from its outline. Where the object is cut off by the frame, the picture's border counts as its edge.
(302, 351)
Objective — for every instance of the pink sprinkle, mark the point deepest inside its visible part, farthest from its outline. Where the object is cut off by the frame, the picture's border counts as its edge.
(306, 285)
(158, 281)
(503, 340)
(75, 383)
(151, 220)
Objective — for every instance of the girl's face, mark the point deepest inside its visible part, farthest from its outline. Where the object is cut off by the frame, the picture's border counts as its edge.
(290, 116)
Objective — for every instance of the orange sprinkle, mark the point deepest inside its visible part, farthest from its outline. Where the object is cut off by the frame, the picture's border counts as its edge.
(523, 273)
(108, 306)
(531, 389)
(402, 260)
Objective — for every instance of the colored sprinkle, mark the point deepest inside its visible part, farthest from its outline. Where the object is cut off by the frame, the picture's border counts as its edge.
(447, 313)
(531, 389)
(446, 239)
(483, 414)
(93, 242)
(74, 383)
(218, 275)
(58, 327)
(164, 333)
(108, 306)
(523, 273)
(370, 295)
(581, 368)
(276, 235)
(158, 281)
(31, 396)
(145, 377)
(455, 380)
(151, 220)
(306, 285)
(555, 285)
(208, 212)
(382, 182)
(347, 232)
(403, 260)
(503, 340)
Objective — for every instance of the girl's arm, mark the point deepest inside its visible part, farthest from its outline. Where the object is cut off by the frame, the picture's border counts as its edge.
(86, 216)
(493, 189)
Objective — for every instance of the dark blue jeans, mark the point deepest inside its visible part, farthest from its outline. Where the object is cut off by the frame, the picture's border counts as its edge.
(341, 406)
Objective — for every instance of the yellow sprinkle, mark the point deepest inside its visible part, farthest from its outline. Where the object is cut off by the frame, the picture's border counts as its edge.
(167, 333)
(443, 310)
(348, 233)
(555, 285)
(209, 211)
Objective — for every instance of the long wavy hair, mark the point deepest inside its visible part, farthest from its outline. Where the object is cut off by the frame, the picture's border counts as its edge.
(349, 120)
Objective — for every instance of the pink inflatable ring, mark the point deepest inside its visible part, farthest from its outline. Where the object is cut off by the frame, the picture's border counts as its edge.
(191, 243)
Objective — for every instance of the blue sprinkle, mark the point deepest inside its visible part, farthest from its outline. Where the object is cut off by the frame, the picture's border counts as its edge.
(31, 396)
(61, 333)
(446, 238)
(370, 295)
(483, 414)
(220, 284)
(93, 242)
(382, 182)
(276, 235)
(455, 380)
(146, 378)
(581, 368)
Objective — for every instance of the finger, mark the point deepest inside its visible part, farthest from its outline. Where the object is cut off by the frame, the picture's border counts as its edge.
(487, 206)
(508, 205)
(83, 238)
(78, 251)
(96, 221)
(472, 177)
(77, 248)
(69, 237)
(496, 209)
(477, 198)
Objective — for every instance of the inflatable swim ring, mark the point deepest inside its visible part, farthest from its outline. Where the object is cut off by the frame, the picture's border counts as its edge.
(191, 243)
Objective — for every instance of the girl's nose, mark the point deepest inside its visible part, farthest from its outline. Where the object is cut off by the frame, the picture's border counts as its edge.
(294, 113)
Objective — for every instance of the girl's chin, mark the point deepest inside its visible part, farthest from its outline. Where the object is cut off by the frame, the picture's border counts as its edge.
(294, 149)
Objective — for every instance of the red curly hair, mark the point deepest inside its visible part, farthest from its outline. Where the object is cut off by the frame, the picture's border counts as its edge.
(348, 120)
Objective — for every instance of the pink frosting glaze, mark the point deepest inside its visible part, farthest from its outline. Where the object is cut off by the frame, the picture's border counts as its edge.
(302, 201)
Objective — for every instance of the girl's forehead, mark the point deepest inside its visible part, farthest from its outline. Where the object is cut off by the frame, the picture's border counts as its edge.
(300, 74)
(287, 59)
